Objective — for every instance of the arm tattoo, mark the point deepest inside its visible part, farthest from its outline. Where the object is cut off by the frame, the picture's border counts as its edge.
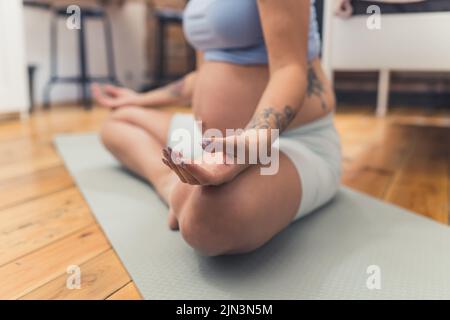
(315, 86)
(175, 89)
(270, 118)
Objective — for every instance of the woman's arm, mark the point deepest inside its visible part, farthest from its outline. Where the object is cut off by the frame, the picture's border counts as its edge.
(286, 28)
(178, 92)
(285, 25)
(175, 93)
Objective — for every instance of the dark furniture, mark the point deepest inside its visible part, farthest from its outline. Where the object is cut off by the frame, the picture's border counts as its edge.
(165, 18)
(83, 79)
(360, 7)
(31, 75)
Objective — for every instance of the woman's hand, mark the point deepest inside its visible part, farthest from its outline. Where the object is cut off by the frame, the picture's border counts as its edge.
(178, 92)
(110, 96)
(248, 146)
(203, 173)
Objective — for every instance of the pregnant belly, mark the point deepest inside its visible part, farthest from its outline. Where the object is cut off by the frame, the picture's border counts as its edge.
(226, 95)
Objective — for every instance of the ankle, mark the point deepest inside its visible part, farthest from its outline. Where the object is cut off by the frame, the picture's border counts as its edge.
(164, 185)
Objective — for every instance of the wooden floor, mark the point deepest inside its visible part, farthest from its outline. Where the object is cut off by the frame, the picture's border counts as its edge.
(46, 226)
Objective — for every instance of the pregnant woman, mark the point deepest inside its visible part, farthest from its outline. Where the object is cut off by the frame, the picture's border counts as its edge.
(259, 69)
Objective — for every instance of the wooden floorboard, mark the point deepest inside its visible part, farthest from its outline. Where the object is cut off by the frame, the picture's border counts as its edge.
(14, 191)
(128, 292)
(28, 273)
(421, 184)
(373, 169)
(46, 226)
(37, 223)
(100, 276)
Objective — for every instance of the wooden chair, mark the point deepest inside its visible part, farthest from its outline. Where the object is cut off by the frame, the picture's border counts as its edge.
(165, 18)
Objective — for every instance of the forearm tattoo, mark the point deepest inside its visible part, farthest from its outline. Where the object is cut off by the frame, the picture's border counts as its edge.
(271, 118)
(176, 88)
(315, 86)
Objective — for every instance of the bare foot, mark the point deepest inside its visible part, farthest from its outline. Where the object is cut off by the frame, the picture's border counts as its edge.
(172, 221)
(166, 185)
(164, 189)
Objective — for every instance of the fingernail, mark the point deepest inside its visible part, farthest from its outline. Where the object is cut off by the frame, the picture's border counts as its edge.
(206, 142)
(176, 157)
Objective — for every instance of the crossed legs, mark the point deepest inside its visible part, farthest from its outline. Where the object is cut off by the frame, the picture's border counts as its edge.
(235, 217)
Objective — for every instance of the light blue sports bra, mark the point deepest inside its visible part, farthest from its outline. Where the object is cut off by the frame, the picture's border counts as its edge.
(230, 31)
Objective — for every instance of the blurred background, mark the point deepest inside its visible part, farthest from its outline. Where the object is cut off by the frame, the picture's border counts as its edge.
(147, 48)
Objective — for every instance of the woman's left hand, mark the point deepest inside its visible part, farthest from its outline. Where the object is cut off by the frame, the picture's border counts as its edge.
(201, 172)
(113, 97)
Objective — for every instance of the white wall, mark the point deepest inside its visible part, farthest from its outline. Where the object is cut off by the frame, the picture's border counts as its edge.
(13, 79)
(405, 42)
(129, 32)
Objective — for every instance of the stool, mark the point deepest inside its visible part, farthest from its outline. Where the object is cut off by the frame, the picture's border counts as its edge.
(84, 79)
(165, 18)
(31, 75)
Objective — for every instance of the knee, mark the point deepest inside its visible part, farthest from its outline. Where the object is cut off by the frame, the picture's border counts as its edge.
(109, 128)
(108, 134)
(199, 228)
(125, 113)
(207, 223)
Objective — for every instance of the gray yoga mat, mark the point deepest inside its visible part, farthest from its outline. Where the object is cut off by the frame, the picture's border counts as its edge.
(325, 255)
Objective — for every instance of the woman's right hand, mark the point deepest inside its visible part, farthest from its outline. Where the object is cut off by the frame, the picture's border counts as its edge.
(110, 96)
